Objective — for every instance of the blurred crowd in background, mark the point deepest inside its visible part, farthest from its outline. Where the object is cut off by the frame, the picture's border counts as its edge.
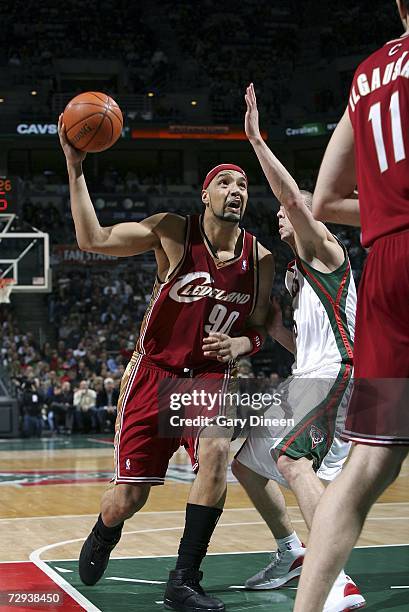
(192, 46)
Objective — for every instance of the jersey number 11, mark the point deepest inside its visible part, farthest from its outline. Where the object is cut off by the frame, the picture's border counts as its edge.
(397, 135)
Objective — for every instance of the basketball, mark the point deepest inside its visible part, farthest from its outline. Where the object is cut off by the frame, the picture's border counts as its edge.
(93, 121)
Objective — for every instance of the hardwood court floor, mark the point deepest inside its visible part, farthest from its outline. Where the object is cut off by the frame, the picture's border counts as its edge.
(49, 498)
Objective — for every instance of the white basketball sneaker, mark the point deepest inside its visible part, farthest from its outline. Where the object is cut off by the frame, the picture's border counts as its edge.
(344, 596)
(284, 566)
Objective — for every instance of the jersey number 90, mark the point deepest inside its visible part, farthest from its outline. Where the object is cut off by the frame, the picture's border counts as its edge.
(220, 320)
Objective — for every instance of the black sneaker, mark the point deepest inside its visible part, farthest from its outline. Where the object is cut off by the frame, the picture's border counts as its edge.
(94, 557)
(184, 593)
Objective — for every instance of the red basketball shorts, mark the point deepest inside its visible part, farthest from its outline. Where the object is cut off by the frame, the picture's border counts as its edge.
(379, 408)
(142, 448)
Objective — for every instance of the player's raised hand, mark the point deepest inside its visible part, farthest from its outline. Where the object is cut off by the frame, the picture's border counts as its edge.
(222, 347)
(73, 155)
(251, 123)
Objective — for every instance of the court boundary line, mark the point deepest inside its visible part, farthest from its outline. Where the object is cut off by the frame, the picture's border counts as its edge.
(149, 512)
(209, 554)
(57, 516)
(19, 561)
(240, 552)
(78, 597)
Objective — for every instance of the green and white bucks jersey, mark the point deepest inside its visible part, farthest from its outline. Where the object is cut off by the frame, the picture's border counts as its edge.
(324, 307)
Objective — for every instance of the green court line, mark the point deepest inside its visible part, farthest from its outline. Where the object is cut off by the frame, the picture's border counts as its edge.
(374, 569)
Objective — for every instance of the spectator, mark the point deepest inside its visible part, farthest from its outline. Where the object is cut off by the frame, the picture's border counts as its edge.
(31, 409)
(62, 409)
(80, 351)
(107, 400)
(244, 369)
(85, 403)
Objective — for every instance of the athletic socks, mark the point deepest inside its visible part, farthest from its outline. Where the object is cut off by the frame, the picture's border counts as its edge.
(109, 534)
(200, 523)
(289, 543)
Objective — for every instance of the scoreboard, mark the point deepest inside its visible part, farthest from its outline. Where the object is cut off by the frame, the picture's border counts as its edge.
(8, 194)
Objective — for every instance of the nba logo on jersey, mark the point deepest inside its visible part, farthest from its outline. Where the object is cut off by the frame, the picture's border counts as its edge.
(317, 436)
(244, 264)
(128, 464)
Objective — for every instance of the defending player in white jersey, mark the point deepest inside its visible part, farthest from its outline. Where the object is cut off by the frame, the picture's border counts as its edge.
(324, 300)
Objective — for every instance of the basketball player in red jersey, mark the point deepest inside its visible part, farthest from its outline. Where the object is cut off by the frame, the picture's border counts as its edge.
(214, 281)
(370, 147)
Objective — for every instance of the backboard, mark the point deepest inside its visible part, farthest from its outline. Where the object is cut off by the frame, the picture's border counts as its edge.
(24, 255)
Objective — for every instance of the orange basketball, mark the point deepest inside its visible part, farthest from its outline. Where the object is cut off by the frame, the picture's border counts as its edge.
(93, 121)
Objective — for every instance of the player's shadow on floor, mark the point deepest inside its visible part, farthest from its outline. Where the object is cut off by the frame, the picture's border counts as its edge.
(243, 598)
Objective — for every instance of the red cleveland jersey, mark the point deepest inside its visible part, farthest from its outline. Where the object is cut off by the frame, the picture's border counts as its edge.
(379, 112)
(203, 295)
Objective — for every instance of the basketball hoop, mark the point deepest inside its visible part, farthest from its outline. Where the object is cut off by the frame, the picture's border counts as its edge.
(6, 285)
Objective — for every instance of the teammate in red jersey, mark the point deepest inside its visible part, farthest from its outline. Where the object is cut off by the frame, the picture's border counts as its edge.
(370, 147)
(214, 281)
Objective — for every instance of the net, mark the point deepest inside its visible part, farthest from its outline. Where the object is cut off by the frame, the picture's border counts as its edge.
(6, 285)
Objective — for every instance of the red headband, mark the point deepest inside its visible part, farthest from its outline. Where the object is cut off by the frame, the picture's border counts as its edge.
(210, 175)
